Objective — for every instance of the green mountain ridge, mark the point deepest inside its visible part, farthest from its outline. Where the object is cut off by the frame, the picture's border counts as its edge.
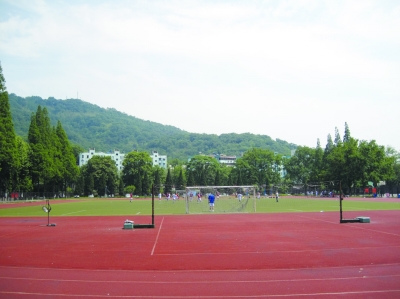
(90, 126)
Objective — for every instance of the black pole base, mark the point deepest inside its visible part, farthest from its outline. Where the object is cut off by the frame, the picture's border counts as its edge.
(349, 220)
(143, 226)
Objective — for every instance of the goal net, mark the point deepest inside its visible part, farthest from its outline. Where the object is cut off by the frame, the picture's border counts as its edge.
(228, 199)
(295, 198)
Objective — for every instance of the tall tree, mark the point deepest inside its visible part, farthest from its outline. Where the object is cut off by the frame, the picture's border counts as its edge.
(7, 139)
(100, 175)
(338, 140)
(218, 179)
(344, 163)
(300, 167)
(43, 156)
(168, 182)
(190, 178)
(22, 179)
(318, 171)
(259, 166)
(202, 169)
(347, 135)
(180, 181)
(393, 181)
(329, 145)
(68, 168)
(137, 171)
(158, 177)
(377, 166)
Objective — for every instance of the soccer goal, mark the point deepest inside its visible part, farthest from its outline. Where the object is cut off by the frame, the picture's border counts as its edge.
(228, 199)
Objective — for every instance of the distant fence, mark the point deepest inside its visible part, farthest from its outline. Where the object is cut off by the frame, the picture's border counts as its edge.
(16, 196)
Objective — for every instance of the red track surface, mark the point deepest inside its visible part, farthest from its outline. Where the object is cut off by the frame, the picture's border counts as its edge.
(208, 256)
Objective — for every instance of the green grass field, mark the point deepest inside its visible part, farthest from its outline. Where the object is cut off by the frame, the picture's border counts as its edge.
(116, 207)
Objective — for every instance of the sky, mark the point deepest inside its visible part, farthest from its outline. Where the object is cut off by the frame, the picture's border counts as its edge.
(293, 70)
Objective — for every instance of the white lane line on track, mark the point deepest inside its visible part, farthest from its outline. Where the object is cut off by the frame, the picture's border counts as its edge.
(158, 234)
(209, 296)
(213, 281)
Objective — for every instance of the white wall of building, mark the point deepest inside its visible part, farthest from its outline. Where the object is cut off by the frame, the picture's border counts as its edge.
(160, 160)
(116, 156)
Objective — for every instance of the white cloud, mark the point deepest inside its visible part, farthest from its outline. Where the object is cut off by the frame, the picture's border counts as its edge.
(289, 69)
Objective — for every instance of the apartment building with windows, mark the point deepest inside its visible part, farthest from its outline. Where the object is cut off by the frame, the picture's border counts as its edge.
(226, 160)
(159, 160)
(115, 155)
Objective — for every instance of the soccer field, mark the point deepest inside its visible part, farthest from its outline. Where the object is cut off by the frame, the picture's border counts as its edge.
(115, 207)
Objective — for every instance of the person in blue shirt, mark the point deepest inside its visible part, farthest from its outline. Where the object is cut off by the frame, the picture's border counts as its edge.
(211, 201)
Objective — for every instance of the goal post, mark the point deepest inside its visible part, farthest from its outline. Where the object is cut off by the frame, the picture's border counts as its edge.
(228, 199)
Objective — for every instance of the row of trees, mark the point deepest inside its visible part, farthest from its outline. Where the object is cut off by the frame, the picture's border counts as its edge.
(349, 161)
(352, 162)
(47, 164)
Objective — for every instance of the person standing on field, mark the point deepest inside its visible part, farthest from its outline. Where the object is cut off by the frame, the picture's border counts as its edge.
(211, 201)
(239, 196)
(276, 196)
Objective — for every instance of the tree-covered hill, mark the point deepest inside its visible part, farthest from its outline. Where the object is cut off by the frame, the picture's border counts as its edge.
(90, 126)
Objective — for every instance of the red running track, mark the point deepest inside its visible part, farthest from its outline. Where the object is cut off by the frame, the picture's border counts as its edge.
(209, 256)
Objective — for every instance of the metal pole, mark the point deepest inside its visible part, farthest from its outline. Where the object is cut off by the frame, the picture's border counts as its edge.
(48, 213)
(152, 205)
(340, 200)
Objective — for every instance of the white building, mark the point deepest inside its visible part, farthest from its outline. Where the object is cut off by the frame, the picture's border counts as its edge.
(158, 159)
(116, 156)
(226, 160)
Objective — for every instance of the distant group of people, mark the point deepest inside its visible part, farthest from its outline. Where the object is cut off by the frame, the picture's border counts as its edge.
(168, 196)
(198, 195)
(211, 197)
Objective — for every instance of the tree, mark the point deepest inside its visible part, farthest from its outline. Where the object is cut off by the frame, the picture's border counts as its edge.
(258, 167)
(318, 171)
(377, 166)
(22, 179)
(69, 169)
(158, 174)
(346, 136)
(329, 145)
(168, 182)
(180, 181)
(138, 172)
(7, 139)
(190, 178)
(178, 177)
(120, 186)
(338, 140)
(201, 170)
(218, 179)
(344, 163)
(100, 175)
(301, 167)
(393, 182)
(44, 159)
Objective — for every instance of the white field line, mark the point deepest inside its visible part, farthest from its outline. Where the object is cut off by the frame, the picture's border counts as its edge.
(73, 212)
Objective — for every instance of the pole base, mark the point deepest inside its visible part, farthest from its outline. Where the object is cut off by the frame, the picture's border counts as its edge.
(143, 225)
